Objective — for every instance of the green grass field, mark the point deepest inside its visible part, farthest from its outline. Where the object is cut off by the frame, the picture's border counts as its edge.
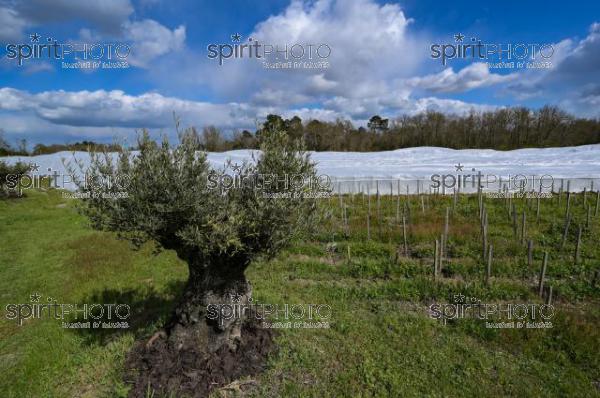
(382, 341)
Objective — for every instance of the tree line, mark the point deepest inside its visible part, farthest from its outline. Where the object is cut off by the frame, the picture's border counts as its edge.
(20, 149)
(501, 129)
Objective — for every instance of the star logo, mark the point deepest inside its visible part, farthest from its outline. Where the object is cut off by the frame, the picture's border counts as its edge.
(459, 298)
(35, 297)
(235, 297)
(459, 167)
(34, 167)
(459, 37)
(236, 167)
(236, 37)
(35, 38)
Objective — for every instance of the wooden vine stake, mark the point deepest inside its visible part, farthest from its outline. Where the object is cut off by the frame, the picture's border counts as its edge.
(529, 255)
(523, 228)
(435, 260)
(446, 227)
(549, 296)
(404, 235)
(565, 232)
(543, 274)
(578, 246)
(369, 216)
(489, 265)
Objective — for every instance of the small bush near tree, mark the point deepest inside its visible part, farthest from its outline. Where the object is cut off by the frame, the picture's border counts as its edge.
(10, 176)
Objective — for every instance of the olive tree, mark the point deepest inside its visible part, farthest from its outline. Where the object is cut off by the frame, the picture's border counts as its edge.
(216, 231)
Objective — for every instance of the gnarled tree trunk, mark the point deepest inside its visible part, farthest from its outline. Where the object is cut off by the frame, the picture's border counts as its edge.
(210, 283)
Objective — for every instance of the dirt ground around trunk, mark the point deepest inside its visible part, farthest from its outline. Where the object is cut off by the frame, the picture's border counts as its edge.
(190, 372)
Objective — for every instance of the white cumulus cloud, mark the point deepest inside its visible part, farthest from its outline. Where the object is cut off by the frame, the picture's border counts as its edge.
(474, 76)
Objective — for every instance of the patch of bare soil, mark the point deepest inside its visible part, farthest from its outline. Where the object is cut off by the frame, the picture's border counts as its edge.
(190, 372)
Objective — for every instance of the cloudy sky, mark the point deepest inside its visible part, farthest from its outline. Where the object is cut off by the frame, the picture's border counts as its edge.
(381, 62)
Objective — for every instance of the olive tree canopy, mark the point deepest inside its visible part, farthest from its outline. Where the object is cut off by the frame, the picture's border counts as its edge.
(173, 197)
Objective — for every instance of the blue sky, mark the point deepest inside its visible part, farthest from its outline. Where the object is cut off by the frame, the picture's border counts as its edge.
(380, 62)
